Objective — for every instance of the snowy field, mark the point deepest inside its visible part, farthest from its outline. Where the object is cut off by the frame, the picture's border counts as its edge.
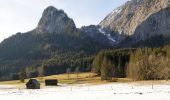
(113, 91)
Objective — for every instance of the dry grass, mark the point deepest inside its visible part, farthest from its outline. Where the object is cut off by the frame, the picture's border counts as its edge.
(73, 78)
(152, 82)
(83, 78)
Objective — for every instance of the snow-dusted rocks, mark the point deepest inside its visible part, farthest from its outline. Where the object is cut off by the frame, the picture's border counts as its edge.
(98, 34)
(108, 35)
(142, 18)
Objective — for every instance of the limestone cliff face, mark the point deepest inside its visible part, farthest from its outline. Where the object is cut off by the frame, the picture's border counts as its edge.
(140, 18)
(54, 21)
(155, 25)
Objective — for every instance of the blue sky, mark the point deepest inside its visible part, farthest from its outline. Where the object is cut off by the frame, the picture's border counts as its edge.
(23, 15)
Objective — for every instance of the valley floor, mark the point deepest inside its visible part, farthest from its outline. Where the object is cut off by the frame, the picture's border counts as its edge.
(111, 91)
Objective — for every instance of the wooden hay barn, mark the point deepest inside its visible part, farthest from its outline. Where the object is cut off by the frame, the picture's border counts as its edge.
(51, 82)
(33, 84)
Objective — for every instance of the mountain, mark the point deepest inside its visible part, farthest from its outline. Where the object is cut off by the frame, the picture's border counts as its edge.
(55, 21)
(54, 46)
(98, 34)
(140, 19)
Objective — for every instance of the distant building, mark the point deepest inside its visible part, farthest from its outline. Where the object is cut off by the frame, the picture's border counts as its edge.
(33, 84)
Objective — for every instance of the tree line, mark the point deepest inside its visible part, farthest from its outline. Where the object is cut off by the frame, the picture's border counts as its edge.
(137, 64)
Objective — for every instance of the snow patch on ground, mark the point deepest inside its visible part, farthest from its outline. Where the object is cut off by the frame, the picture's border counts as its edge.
(116, 11)
(101, 31)
(111, 17)
(114, 91)
(113, 14)
(107, 35)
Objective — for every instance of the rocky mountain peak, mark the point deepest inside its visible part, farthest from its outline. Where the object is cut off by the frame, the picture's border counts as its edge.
(54, 21)
(132, 17)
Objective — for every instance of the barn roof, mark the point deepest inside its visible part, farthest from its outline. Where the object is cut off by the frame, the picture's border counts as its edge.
(33, 81)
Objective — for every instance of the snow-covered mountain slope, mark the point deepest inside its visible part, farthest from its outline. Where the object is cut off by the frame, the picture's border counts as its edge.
(108, 35)
(100, 35)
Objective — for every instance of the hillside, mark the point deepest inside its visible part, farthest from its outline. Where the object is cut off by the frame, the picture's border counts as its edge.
(53, 46)
(57, 46)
